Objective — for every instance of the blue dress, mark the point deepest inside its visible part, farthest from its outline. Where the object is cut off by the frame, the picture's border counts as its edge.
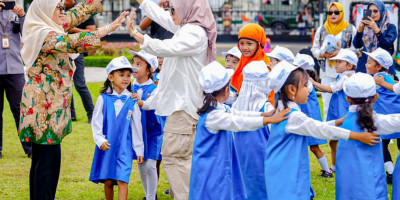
(338, 105)
(215, 172)
(250, 147)
(360, 173)
(115, 163)
(287, 165)
(152, 126)
(388, 103)
(312, 110)
(396, 179)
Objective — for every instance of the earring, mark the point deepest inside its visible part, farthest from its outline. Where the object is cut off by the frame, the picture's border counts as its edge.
(293, 97)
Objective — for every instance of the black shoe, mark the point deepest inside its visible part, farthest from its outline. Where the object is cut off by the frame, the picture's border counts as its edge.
(89, 121)
(166, 192)
(389, 178)
(326, 174)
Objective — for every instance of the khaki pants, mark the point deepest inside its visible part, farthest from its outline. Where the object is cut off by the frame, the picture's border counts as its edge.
(177, 147)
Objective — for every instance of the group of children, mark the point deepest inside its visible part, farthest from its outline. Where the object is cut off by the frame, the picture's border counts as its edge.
(259, 116)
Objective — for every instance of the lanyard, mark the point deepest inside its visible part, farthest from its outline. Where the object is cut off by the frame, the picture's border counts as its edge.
(8, 21)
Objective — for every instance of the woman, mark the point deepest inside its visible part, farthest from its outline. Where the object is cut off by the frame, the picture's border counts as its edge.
(45, 105)
(179, 94)
(343, 33)
(375, 32)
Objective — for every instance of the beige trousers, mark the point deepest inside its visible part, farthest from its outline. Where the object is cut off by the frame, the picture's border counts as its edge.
(177, 147)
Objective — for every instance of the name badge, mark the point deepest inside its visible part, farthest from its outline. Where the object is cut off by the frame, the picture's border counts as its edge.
(5, 42)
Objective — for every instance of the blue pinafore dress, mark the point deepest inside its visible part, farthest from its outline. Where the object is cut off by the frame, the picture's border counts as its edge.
(115, 163)
(360, 173)
(338, 105)
(215, 172)
(396, 179)
(250, 147)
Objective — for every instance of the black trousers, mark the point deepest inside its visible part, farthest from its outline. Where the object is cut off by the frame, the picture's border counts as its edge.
(45, 171)
(12, 85)
(386, 154)
(81, 87)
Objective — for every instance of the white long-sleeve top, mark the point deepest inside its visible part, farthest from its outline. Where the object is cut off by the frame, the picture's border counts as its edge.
(185, 55)
(338, 85)
(146, 104)
(136, 125)
(226, 118)
(396, 88)
(298, 123)
(316, 51)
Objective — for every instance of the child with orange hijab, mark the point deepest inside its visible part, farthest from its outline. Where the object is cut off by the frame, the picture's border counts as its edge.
(252, 39)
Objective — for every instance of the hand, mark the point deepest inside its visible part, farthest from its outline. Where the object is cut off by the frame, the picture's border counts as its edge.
(365, 137)
(277, 117)
(105, 146)
(19, 10)
(379, 79)
(140, 160)
(340, 121)
(161, 3)
(371, 23)
(135, 97)
(119, 21)
(2, 5)
(129, 20)
(361, 26)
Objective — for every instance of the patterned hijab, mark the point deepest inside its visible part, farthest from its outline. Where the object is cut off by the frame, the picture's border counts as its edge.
(369, 37)
(338, 27)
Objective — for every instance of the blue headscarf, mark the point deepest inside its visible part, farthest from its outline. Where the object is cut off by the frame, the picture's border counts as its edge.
(369, 37)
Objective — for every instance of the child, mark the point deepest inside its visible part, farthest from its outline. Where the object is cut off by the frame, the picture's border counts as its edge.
(346, 63)
(311, 109)
(287, 170)
(280, 53)
(116, 129)
(378, 63)
(360, 173)
(251, 145)
(215, 172)
(232, 58)
(143, 87)
(158, 70)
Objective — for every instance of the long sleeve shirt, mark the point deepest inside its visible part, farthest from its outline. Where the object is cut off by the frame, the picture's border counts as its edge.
(396, 88)
(136, 125)
(338, 85)
(147, 102)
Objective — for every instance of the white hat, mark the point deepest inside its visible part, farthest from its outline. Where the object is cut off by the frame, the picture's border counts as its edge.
(360, 85)
(278, 75)
(346, 55)
(382, 57)
(255, 71)
(281, 53)
(214, 77)
(149, 58)
(119, 63)
(234, 52)
(304, 61)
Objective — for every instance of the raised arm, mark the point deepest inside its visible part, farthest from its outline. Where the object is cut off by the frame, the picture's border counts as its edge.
(320, 87)
(81, 12)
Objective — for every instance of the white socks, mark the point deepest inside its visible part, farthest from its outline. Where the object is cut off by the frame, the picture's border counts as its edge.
(148, 175)
(333, 168)
(389, 167)
(324, 164)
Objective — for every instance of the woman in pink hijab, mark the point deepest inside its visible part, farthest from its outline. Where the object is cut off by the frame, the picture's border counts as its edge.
(179, 94)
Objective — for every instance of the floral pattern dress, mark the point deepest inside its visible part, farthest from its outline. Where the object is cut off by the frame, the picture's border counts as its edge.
(46, 99)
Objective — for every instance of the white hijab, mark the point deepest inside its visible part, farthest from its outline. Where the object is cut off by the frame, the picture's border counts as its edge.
(38, 23)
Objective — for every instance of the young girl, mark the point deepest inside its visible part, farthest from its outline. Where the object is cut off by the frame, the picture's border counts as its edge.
(116, 129)
(388, 102)
(346, 62)
(232, 58)
(280, 53)
(360, 172)
(311, 109)
(251, 145)
(215, 172)
(143, 87)
(287, 170)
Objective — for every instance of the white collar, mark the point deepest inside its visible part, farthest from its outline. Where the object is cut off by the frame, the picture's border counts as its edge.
(221, 106)
(148, 82)
(125, 92)
(353, 108)
(346, 72)
(291, 104)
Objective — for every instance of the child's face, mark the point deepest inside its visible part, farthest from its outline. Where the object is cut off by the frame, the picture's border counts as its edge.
(302, 92)
(160, 62)
(248, 47)
(372, 66)
(120, 79)
(342, 66)
(273, 62)
(225, 95)
(231, 62)
(141, 64)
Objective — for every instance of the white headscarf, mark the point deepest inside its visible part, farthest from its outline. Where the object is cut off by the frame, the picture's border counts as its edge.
(38, 23)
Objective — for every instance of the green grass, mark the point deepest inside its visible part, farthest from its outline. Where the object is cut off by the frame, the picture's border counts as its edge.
(77, 155)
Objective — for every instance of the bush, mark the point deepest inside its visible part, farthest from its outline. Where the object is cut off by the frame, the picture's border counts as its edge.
(101, 61)
(114, 49)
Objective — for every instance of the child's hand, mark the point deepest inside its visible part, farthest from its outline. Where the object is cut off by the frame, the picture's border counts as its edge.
(340, 121)
(277, 117)
(365, 137)
(268, 114)
(105, 146)
(135, 97)
(140, 160)
(379, 79)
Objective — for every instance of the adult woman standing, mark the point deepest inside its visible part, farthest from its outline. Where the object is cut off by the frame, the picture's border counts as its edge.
(343, 33)
(375, 32)
(45, 105)
(179, 95)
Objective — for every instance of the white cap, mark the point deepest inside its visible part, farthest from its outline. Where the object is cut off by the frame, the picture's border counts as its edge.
(214, 77)
(278, 75)
(346, 55)
(382, 57)
(360, 85)
(149, 58)
(255, 71)
(234, 52)
(119, 63)
(281, 53)
(304, 61)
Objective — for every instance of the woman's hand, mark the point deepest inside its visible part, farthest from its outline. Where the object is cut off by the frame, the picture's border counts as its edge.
(105, 146)
(140, 160)
(361, 26)
(129, 20)
(118, 22)
(19, 10)
(371, 23)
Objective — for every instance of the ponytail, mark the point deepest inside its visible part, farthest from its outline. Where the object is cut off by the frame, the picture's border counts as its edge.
(209, 101)
(365, 113)
(107, 85)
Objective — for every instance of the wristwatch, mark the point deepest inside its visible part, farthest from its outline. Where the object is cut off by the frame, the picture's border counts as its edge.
(134, 33)
(379, 33)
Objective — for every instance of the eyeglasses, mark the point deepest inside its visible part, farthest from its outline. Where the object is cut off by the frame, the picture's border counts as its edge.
(61, 8)
(374, 11)
(333, 12)
(172, 10)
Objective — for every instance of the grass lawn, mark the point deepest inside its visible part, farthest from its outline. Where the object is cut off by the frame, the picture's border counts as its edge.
(77, 155)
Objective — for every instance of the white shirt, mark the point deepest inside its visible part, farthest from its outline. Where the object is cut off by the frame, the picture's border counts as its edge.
(146, 104)
(225, 118)
(396, 88)
(185, 55)
(316, 51)
(298, 123)
(338, 85)
(136, 125)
